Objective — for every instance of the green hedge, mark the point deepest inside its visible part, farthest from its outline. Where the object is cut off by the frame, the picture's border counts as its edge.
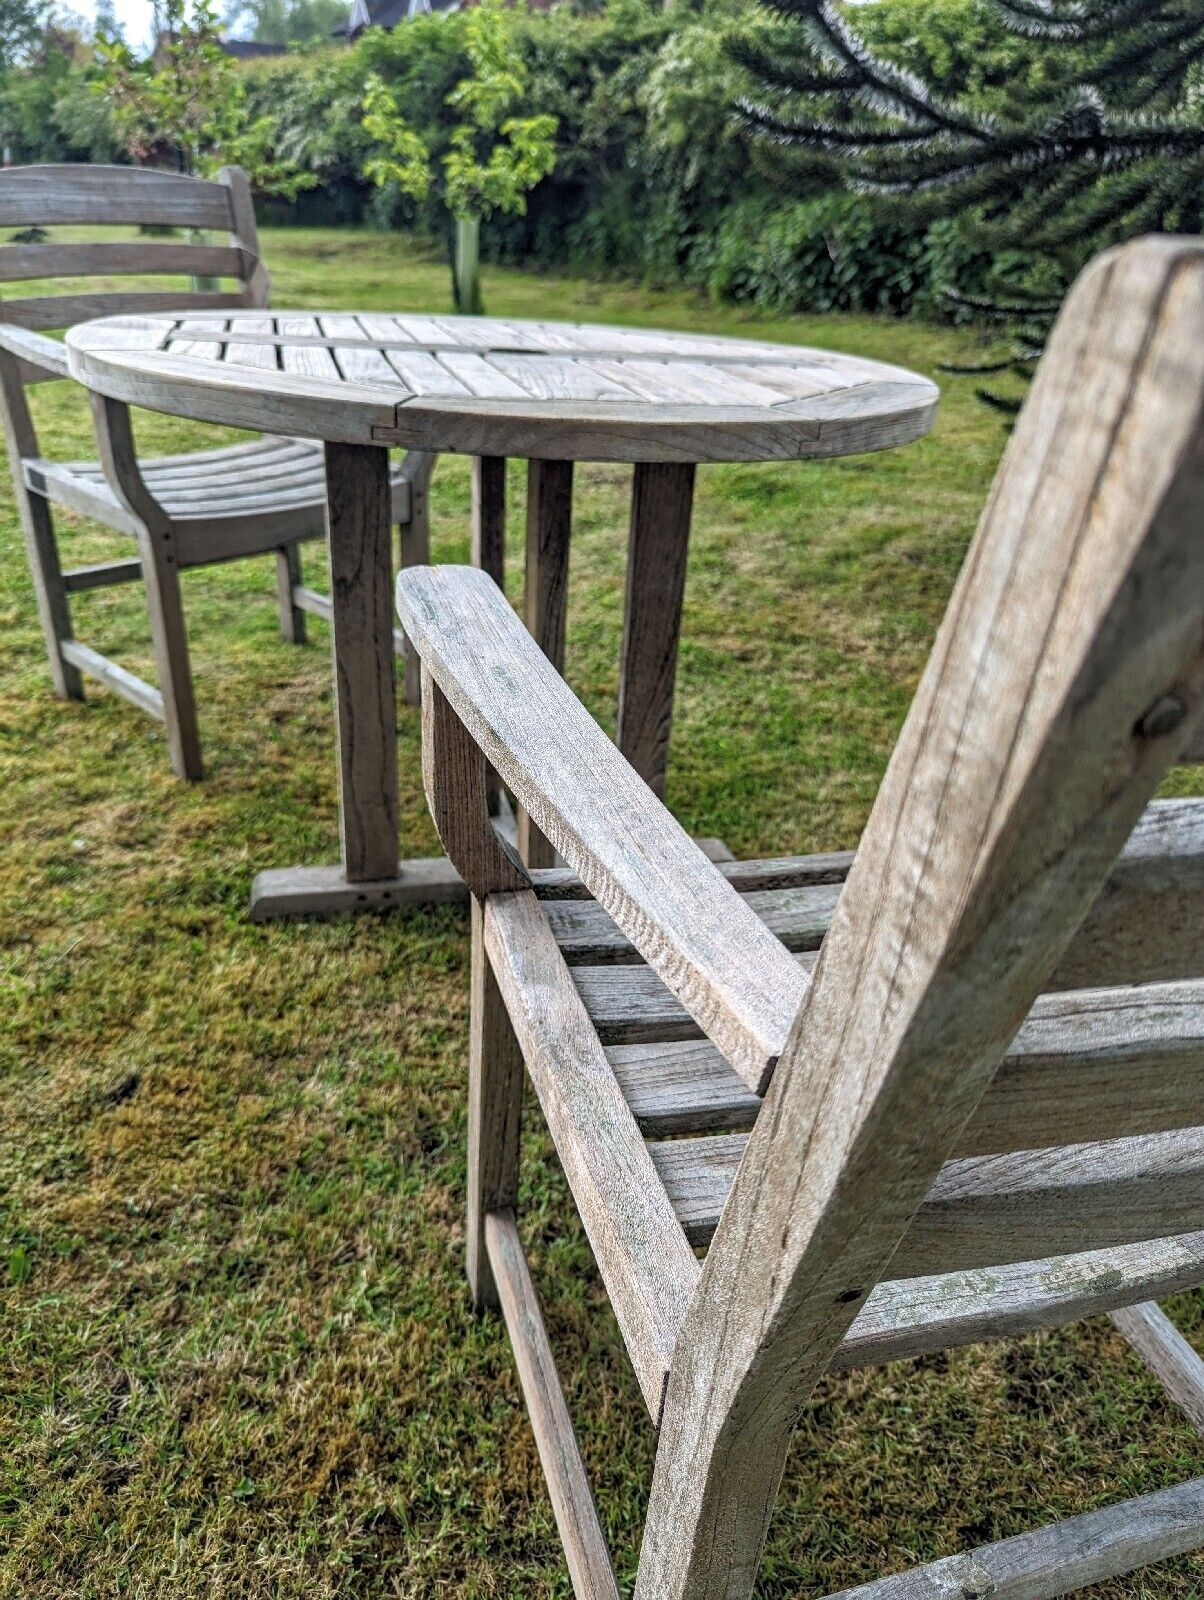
(655, 177)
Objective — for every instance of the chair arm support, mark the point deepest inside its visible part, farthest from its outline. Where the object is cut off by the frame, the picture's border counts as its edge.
(47, 355)
(732, 975)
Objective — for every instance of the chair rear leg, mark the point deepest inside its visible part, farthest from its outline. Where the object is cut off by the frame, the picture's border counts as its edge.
(170, 640)
(495, 1105)
(54, 610)
(288, 576)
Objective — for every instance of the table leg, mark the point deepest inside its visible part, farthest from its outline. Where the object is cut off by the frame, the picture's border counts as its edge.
(361, 581)
(549, 523)
(489, 553)
(661, 502)
(363, 647)
(489, 516)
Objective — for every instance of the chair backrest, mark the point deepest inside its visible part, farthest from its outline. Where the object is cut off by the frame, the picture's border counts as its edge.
(1065, 678)
(62, 196)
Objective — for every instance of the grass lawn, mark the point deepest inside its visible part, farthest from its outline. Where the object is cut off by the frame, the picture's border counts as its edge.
(236, 1353)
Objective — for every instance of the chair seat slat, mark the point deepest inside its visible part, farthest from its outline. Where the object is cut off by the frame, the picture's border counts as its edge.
(1096, 1064)
(984, 1211)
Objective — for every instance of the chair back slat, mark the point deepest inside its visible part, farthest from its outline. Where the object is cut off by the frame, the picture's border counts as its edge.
(51, 196)
(65, 310)
(59, 195)
(105, 258)
(1063, 682)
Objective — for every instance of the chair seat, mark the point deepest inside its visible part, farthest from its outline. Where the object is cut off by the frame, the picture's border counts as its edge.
(266, 492)
(1034, 1165)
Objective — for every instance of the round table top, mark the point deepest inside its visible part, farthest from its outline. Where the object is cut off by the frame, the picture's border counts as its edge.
(491, 386)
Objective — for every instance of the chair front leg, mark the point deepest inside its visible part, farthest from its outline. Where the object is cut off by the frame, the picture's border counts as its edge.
(37, 525)
(156, 548)
(495, 1109)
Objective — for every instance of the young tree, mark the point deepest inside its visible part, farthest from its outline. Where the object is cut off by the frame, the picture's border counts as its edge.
(1110, 146)
(22, 24)
(492, 157)
(189, 98)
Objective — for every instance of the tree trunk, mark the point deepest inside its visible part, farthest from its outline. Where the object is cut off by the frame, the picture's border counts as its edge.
(467, 272)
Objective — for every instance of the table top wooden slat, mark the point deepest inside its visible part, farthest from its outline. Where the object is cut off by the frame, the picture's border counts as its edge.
(499, 386)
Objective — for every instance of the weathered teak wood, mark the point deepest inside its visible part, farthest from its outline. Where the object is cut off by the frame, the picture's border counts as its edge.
(1168, 1355)
(1038, 747)
(915, 1316)
(546, 596)
(415, 546)
(1061, 1557)
(984, 1211)
(732, 976)
(661, 503)
(183, 511)
(864, 1216)
(161, 574)
(642, 1254)
(550, 393)
(359, 536)
(573, 1504)
(1088, 1065)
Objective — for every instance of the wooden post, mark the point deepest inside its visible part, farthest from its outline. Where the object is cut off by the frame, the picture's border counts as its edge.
(661, 501)
(161, 574)
(414, 540)
(549, 525)
(289, 576)
(44, 566)
(358, 513)
(489, 549)
(495, 1109)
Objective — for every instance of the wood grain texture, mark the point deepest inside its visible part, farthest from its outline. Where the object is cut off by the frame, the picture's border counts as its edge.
(67, 193)
(1058, 1559)
(915, 1316)
(568, 1488)
(453, 772)
(546, 597)
(696, 933)
(158, 556)
(536, 390)
(359, 539)
(37, 528)
(1168, 1355)
(495, 1111)
(649, 1270)
(104, 258)
(1020, 772)
(414, 537)
(1096, 1064)
(662, 501)
(289, 578)
(984, 1211)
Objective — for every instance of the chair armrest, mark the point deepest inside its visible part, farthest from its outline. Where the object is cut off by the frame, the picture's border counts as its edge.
(47, 355)
(734, 977)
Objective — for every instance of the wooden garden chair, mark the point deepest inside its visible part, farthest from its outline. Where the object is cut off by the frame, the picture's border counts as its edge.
(903, 1144)
(185, 510)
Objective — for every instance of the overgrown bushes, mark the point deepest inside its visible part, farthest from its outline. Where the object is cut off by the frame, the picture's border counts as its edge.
(655, 175)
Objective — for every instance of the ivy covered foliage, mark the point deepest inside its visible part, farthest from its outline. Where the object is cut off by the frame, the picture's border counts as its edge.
(653, 171)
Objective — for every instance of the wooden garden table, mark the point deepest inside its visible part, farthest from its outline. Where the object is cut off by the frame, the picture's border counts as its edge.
(551, 393)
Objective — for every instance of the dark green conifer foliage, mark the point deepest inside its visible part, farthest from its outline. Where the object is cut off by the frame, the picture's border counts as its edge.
(1111, 147)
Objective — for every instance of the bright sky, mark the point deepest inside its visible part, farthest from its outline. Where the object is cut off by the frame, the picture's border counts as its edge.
(135, 17)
